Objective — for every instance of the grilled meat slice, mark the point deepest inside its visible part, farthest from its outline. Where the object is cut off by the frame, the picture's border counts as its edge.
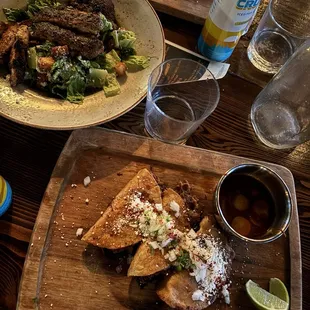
(7, 40)
(106, 7)
(18, 56)
(22, 36)
(71, 18)
(87, 47)
(3, 27)
(17, 64)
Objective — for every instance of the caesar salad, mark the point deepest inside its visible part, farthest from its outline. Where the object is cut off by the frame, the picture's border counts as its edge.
(68, 50)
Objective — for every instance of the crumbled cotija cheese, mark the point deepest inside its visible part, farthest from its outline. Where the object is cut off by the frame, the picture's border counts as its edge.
(208, 258)
(209, 262)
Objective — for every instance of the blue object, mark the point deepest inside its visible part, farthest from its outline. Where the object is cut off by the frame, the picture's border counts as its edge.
(5, 196)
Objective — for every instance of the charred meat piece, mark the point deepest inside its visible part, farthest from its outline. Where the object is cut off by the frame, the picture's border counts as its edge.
(71, 18)
(22, 35)
(27, 22)
(18, 56)
(106, 7)
(87, 47)
(17, 64)
(7, 40)
(3, 27)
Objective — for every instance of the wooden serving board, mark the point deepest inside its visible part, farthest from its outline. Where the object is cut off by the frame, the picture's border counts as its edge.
(62, 272)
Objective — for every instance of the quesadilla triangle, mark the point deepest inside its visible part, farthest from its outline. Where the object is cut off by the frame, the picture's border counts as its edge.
(114, 230)
(147, 260)
(189, 289)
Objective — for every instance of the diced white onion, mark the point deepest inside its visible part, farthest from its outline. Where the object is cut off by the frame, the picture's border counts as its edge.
(159, 206)
(79, 232)
(166, 242)
(87, 181)
(172, 256)
(154, 245)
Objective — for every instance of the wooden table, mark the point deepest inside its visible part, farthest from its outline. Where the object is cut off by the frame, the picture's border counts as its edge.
(28, 156)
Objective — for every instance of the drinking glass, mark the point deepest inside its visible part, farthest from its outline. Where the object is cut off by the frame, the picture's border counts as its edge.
(182, 93)
(283, 28)
(280, 114)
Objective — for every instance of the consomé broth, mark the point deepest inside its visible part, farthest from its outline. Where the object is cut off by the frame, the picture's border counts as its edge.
(247, 205)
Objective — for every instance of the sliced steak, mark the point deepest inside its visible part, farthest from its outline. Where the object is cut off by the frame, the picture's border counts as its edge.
(18, 56)
(106, 7)
(7, 40)
(71, 18)
(87, 47)
(22, 36)
(3, 27)
(17, 64)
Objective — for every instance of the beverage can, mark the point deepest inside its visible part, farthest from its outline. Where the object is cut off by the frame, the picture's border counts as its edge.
(226, 22)
(5, 195)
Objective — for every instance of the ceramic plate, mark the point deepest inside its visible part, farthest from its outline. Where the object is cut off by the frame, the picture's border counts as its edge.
(32, 108)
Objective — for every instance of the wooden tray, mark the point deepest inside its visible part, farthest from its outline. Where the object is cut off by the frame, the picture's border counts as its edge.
(62, 272)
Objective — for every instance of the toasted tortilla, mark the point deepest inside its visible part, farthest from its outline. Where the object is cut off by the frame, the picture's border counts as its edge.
(177, 289)
(146, 261)
(103, 234)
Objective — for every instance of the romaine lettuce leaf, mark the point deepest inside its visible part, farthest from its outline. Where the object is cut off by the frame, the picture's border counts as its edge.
(136, 63)
(68, 79)
(111, 87)
(111, 60)
(97, 77)
(45, 49)
(126, 52)
(15, 15)
(88, 64)
(76, 89)
(124, 38)
(107, 26)
(32, 58)
(34, 6)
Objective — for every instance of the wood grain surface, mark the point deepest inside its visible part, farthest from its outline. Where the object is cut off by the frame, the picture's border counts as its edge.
(194, 11)
(63, 271)
(28, 156)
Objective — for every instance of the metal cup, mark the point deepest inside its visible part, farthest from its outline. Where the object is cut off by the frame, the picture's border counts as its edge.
(280, 195)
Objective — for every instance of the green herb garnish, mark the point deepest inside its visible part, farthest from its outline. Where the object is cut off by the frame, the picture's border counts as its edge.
(184, 261)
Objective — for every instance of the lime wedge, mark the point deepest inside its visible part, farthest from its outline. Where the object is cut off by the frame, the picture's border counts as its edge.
(262, 299)
(277, 288)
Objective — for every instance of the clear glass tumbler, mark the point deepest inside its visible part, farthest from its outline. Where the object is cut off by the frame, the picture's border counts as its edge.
(283, 28)
(280, 114)
(182, 93)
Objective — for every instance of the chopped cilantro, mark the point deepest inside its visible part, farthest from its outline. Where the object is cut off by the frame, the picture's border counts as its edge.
(173, 244)
(184, 261)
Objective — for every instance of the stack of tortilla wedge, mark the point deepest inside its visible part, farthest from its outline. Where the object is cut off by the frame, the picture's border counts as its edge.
(178, 287)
